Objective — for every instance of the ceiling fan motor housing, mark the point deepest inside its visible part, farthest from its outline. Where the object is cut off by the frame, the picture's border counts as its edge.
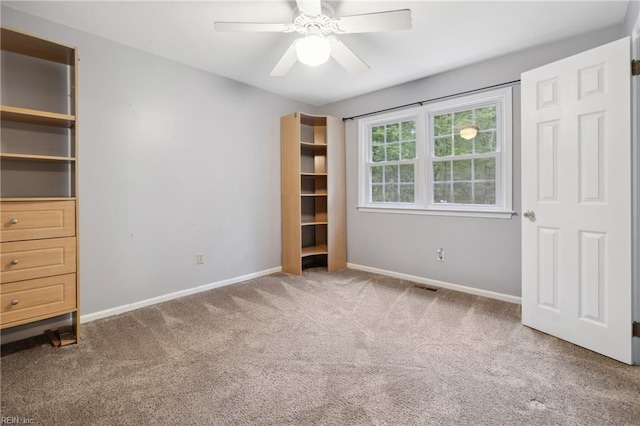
(320, 24)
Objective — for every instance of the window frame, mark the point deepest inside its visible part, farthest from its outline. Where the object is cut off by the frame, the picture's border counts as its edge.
(366, 163)
(423, 185)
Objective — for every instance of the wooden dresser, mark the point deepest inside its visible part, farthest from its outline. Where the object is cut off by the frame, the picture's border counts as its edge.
(38, 181)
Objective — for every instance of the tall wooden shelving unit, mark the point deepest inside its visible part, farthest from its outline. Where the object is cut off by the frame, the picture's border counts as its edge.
(38, 181)
(313, 192)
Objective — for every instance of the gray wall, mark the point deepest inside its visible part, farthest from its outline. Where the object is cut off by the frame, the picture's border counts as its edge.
(633, 11)
(173, 161)
(479, 253)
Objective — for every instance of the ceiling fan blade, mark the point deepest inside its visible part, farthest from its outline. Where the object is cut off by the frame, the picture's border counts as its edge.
(309, 7)
(392, 20)
(253, 27)
(286, 62)
(345, 57)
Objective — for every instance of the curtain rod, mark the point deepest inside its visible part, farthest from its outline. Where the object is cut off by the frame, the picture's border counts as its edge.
(366, 114)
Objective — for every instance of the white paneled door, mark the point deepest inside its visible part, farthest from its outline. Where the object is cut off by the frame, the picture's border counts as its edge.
(576, 200)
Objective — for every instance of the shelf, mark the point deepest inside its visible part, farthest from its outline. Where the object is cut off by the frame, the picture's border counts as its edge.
(313, 250)
(32, 116)
(40, 171)
(26, 44)
(313, 120)
(313, 146)
(312, 194)
(31, 157)
(17, 199)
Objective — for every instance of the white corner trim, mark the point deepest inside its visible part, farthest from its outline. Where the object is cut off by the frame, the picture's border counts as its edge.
(436, 283)
(166, 297)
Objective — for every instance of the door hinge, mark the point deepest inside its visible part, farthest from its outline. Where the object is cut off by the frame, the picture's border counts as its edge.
(636, 329)
(635, 67)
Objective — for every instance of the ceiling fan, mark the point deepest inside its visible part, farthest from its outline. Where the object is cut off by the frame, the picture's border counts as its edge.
(315, 21)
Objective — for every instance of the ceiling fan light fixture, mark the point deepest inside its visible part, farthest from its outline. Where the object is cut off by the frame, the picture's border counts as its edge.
(318, 26)
(313, 50)
(469, 132)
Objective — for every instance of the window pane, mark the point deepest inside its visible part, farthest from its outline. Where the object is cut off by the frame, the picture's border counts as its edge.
(408, 130)
(462, 193)
(407, 173)
(442, 125)
(485, 142)
(442, 171)
(462, 119)
(485, 169)
(442, 146)
(391, 193)
(406, 193)
(377, 134)
(485, 193)
(463, 146)
(391, 174)
(442, 193)
(393, 152)
(486, 117)
(461, 170)
(408, 150)
(393, 132)
(377, 193)
(376, 174)
(377, 153)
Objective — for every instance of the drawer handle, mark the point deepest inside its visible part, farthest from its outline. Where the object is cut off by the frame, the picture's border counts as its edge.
(14, 221)
(14, 262)
(14, 302)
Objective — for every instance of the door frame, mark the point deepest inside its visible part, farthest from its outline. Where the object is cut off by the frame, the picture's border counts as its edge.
(635, 185)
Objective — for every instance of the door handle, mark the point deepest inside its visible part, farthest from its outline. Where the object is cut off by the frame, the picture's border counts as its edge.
(529, 214)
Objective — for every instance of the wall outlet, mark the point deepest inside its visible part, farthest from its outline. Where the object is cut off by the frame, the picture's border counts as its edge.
(440, 254)
(200, 258)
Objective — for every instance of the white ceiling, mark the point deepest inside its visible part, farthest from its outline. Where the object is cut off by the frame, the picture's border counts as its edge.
(445, 35)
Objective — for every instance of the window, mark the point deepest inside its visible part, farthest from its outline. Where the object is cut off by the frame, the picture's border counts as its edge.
(417, 160)
(392, 162)
(464, 170)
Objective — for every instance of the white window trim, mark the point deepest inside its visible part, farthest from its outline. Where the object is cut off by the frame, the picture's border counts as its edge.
(365, 161)
(424, 139)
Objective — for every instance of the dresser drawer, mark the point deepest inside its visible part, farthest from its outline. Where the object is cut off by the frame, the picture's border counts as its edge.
(24, 260)
(29, 220)
(36, 299)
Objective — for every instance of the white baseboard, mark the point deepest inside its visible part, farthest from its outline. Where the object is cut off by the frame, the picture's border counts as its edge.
(166, 297)
(29, 330)
(20, 333)
(436, 283)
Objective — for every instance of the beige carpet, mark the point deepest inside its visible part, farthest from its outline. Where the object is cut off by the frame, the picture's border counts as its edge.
(344, 348)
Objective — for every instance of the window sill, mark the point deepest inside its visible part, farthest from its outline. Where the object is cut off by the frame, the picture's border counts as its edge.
(487, 214)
